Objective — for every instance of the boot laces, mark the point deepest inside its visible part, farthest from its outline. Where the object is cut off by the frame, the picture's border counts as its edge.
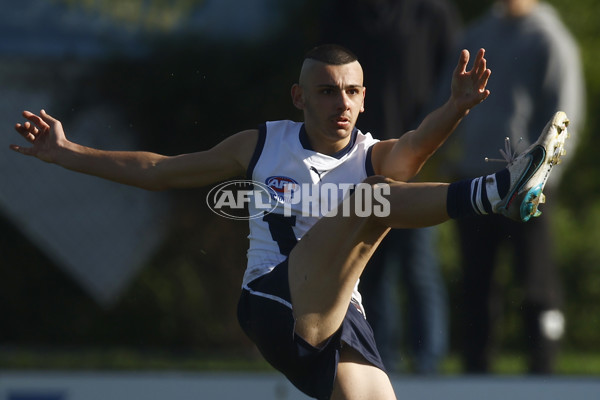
(508, 154)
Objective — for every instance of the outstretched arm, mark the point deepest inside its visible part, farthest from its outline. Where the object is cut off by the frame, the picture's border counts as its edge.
(142, 169)
(401, 159)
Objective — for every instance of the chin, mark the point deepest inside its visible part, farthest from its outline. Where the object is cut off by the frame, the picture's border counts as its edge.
(342, 133)
(345, 132)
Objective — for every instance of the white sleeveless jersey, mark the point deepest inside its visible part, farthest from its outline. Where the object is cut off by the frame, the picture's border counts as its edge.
(283, 160)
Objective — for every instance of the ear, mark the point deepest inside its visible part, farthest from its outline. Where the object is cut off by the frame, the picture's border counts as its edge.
(297, 96)
(362, 108)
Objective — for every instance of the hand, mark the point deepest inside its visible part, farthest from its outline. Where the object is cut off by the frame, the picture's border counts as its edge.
(468, 87)
(44, 133)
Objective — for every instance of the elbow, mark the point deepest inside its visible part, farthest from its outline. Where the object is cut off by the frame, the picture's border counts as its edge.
(165, 173)
(404, 174)
(412, 169)
(413, 172)
(153, 178)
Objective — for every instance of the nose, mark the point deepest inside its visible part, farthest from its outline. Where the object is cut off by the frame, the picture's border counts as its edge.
(343, 100)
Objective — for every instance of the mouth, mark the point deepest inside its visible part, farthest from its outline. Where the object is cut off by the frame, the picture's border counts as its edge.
(342, 121)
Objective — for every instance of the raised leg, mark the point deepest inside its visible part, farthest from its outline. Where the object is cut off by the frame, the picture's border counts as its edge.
(326, 264)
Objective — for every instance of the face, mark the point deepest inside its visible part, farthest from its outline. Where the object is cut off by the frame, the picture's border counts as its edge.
(331, 97)
(518, 8)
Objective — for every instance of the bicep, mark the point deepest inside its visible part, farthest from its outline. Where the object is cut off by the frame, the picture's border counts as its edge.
(226, 160)
(393, 159)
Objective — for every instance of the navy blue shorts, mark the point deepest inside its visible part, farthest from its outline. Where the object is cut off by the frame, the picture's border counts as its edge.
(265, 315)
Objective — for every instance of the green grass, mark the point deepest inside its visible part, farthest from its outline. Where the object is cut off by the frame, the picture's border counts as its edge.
(126, 359)
(569, 363)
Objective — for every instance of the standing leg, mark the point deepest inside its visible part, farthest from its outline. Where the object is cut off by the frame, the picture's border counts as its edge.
(357, 379)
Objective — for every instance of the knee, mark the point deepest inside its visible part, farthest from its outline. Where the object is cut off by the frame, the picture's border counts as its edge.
(375, 180)
(370, 197)
(377, 185)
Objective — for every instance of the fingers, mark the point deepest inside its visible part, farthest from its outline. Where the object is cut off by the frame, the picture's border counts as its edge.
(484, 80)
(35, 124)
(482, 83)
(479, 65)
(34, 130)
(483, 95)
(479, 69)
(463, 60)
(481, 73)
(28, 131)
(23, 150)
(38, 121)
(47, 118)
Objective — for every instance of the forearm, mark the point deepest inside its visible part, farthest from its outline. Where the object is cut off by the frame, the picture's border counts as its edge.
(401, 159)
(433, 132)
(146, 170)
(130, 168)
(153, 171)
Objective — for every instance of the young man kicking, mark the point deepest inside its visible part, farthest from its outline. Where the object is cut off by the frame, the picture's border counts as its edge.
(299, 303)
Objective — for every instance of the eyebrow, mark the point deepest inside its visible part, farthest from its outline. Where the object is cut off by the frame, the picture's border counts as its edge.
(330, 86)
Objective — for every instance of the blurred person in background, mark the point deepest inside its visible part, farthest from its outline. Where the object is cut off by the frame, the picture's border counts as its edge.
(403, 45)
(537, 71)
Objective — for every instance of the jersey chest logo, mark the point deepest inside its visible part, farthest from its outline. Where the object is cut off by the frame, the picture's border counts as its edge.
(283, 187)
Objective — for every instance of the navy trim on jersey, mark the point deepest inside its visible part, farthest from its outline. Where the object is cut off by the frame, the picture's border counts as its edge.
(306, 143)
(303, 136)
(369, 162)
(262, 136)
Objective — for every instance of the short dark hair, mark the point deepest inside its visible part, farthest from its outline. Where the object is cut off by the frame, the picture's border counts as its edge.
(332, 54)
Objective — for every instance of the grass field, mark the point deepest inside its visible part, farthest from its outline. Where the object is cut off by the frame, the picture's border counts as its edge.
(569, 363)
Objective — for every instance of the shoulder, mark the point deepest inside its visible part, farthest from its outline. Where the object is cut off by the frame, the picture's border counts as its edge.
(239, 146)
(547, 21)
(365, 139)
(243, 138)
(556, 43)
(379, 151)
(275, 133)
(282, 126)
(269, 135)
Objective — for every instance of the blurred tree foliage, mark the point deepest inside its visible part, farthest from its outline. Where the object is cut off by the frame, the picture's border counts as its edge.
(163, 15)
(187, 95)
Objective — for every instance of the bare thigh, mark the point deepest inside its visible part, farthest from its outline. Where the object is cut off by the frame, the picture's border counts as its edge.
(323, 269)
(326, 264)
(356, 379)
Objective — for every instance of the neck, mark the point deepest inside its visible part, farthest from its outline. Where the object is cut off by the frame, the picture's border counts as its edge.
(322, 143)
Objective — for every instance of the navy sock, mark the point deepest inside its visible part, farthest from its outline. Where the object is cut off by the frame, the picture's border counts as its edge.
(503, 182)
(477, 196)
